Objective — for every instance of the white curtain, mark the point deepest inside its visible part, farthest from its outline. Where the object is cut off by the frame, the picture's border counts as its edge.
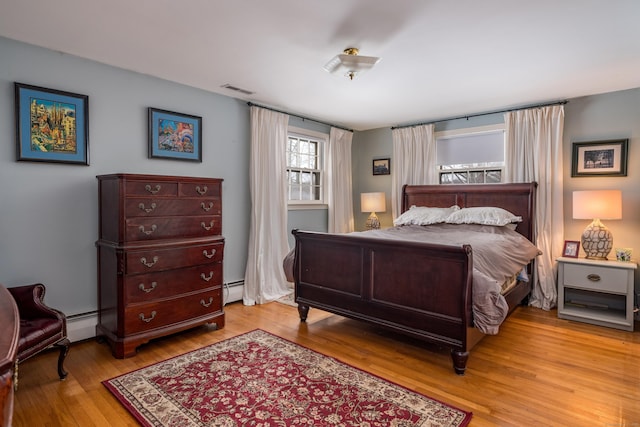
(338, 181)
(264, 279)
(534, 153)
(413, 161)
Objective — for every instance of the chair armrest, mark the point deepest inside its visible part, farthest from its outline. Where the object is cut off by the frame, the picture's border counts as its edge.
(30, 302)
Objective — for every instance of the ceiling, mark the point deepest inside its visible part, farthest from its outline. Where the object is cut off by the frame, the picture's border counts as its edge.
(440, 58)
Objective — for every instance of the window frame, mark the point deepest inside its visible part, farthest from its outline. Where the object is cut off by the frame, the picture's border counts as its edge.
(322, 139)
(477, 130)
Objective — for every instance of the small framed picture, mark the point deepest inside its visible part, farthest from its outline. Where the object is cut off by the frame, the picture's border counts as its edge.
(51, 125)
(381, 166)
(600, 158)
(571, 249)
(175, 135)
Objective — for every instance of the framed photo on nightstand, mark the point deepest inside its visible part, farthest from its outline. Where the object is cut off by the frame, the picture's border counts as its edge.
(571, 249)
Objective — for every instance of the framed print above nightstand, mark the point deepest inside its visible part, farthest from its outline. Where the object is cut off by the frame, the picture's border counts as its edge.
(600, 158)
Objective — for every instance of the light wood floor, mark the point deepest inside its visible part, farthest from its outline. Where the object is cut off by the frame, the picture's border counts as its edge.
(538, 371)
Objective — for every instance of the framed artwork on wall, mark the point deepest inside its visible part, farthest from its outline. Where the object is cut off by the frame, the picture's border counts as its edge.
(174, 135)
(381, 166)
(600, 158)
(51, 125)
(571, 249)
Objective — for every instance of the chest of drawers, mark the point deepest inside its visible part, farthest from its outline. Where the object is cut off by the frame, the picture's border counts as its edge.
(160, 257)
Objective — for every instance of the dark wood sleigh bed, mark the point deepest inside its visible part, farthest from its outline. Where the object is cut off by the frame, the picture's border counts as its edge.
(418, 289)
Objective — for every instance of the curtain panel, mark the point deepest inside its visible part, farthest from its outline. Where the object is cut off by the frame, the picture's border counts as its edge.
(414, 158)
(268, 244)
(338, 181)
(534, 153)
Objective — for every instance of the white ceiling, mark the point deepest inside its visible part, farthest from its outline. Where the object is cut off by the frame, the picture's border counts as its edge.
(440, 58)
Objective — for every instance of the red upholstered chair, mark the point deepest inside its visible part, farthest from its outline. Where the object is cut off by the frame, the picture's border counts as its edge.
(41, 326)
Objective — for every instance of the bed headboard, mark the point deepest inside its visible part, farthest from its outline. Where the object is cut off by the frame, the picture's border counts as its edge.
(517, 198)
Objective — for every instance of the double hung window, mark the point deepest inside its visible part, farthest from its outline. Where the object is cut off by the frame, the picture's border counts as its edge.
(471, 156)
(305, 173)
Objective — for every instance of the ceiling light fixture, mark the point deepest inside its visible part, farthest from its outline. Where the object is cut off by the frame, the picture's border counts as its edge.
(350, 63)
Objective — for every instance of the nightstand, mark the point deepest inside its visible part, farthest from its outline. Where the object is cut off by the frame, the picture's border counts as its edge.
(596, 291)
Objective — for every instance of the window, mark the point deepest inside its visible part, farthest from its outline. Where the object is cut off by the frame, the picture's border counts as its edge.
(471, 156)
(304, 167)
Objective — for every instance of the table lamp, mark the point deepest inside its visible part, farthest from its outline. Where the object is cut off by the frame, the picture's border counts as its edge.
(372, 202)
(597, 240)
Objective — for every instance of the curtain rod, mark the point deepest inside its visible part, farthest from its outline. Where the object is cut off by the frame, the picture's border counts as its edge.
(482, 114)
(251, 104)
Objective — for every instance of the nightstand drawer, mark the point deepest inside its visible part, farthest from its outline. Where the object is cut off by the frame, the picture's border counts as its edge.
(596, 277)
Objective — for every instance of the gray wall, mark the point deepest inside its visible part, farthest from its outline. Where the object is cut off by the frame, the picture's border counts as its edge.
(49, 212)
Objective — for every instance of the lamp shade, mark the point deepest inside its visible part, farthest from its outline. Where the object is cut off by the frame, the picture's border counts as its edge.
(597, 204)
(372, 202)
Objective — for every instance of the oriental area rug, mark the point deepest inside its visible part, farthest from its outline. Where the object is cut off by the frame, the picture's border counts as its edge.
(259, 379)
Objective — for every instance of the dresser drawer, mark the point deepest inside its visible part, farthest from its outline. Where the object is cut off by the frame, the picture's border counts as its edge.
(595, 278)
(151, 261)
(199, 189)
(151, 188)
(166, 227)
(144, 317)
(152, 207)
(147, 287)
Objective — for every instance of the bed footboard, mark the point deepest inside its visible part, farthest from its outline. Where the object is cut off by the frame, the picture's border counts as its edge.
(418, 289)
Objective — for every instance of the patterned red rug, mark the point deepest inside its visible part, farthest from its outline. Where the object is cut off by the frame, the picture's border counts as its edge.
(259, 379)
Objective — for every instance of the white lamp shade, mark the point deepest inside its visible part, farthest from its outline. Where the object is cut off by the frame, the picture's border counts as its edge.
(372, 202)
(597, 204)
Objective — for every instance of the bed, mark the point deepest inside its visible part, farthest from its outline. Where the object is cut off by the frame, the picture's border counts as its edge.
(423, 290)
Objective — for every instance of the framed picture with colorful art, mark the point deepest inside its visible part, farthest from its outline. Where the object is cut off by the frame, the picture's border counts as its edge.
(174, 135)
(51, 125)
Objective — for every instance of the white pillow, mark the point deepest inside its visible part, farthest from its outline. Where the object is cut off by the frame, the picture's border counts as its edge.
(422, 215)
(483, 215)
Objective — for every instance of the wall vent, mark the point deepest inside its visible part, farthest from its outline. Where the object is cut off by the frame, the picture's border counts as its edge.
(237, 89)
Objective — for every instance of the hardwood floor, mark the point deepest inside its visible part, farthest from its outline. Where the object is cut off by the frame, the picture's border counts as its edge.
(539, 371)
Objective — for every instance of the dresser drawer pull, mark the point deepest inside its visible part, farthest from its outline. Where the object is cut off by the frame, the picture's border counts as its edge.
(204, 304)
(149, 264)
(594, 277)
(147, 319)
(147, 290)
(201, 191)
(205, 207)
(211, 255)
(209, 227)
(148, 232)
(149, 209)
(152, 190)
(206, 278)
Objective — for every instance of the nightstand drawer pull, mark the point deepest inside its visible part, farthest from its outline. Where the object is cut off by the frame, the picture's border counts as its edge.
(147, 290)
(204, 304)
(149, 264)
(201, 191)
(206, 278)
(152, 190)
(205, 207)
(209, 255)
(149, 209)
(147, 319)
(594, 277)
(148, 232)
(209, 227)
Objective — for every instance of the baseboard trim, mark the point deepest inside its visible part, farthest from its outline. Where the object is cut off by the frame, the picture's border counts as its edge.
(83, 326)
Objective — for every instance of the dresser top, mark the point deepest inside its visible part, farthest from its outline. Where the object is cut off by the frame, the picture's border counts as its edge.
(132, 176)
